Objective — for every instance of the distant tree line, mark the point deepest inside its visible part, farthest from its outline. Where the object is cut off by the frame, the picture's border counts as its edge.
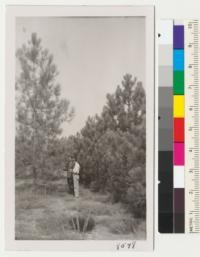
(111, 147)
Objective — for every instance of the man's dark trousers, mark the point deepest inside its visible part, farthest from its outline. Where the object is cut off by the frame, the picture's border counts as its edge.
(70, 185)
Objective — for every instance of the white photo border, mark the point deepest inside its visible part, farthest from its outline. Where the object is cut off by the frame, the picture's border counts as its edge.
(12, 12)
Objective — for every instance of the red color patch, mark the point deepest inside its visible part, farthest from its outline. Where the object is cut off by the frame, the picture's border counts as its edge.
(178, 129)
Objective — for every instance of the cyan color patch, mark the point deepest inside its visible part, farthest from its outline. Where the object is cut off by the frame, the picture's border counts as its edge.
(178, 59)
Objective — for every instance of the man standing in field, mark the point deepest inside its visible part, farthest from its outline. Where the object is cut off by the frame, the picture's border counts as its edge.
(75, 171)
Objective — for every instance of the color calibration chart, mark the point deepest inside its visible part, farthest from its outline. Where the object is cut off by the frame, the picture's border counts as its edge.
(179, 124)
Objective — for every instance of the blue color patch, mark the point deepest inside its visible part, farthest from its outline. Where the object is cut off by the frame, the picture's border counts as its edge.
(178, 59)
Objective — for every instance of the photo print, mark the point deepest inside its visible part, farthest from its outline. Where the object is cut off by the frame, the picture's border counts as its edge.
(82, 127)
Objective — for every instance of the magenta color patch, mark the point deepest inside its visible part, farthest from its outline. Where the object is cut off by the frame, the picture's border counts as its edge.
(179, 154)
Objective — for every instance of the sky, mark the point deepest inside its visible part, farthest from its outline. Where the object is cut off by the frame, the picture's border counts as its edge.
(92, 56)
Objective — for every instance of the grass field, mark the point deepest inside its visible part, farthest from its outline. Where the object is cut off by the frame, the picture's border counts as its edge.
(41, 215)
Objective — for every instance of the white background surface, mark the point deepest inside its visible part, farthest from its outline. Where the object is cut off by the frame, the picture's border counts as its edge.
(165, 245)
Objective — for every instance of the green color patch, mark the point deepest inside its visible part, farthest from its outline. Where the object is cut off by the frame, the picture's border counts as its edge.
(178, 83)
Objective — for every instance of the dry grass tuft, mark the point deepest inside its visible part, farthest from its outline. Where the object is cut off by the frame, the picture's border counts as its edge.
(82, 222)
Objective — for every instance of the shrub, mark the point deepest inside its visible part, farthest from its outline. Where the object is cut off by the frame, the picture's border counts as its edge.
(125, 226)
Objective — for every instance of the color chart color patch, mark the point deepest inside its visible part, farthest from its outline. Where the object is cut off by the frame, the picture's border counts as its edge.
(179, 122)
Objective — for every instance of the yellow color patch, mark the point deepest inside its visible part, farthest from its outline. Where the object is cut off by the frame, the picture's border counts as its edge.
(179, 109)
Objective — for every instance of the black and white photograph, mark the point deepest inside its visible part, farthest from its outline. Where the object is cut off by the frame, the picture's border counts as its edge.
(80, 134)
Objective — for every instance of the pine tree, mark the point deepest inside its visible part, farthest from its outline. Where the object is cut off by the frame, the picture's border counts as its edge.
(125, 109)
(39, 109)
